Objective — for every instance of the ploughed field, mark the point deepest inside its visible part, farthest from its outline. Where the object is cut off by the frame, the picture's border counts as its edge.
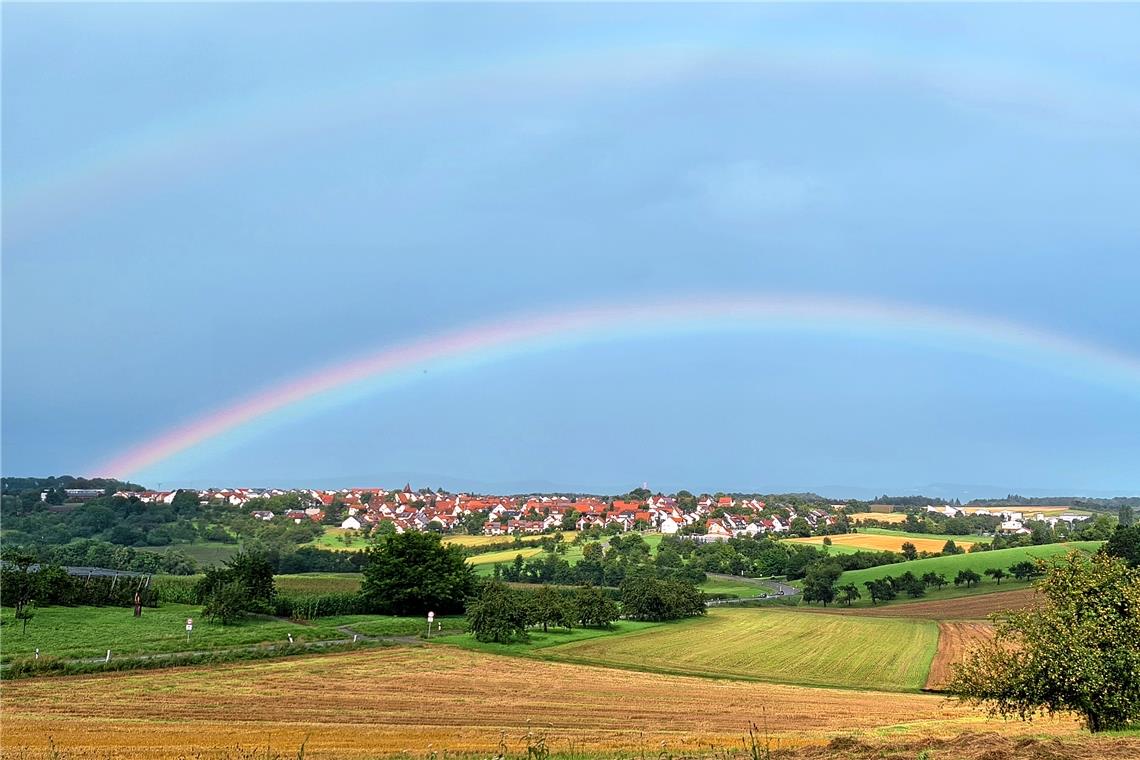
(421, 700)
(775, 645)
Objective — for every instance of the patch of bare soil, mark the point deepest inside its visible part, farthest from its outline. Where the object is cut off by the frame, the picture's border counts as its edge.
(954, 639)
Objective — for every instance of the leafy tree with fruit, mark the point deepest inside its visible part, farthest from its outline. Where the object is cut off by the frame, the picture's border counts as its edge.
(1073, 652)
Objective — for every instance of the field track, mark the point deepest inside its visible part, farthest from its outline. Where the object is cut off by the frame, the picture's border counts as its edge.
(954, 639)
(428, 699)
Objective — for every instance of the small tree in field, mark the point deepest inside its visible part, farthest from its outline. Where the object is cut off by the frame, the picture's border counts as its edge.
(499, 614)
(1075, 652)
(996, 573)
(848, 593)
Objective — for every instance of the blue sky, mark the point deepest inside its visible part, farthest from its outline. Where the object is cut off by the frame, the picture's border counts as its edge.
(201, 201)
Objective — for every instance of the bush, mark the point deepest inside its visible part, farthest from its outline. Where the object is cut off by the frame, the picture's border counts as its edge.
(312, 606)
(644, 598)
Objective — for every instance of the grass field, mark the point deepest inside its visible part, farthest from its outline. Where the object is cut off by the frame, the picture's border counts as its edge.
(941, 537)
(878, 541)
(537, 640)
(774, 645)
(976, 561)
(75, 632)
(506, 556)
(739, 589)
(466, 541)
(440, 698)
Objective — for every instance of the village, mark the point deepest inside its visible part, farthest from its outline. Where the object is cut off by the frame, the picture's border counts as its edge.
(704, 518)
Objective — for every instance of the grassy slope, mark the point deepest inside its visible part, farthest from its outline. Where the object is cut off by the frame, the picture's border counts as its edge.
(778, 646)
(976, 561)
(90, 631)
(537, 640)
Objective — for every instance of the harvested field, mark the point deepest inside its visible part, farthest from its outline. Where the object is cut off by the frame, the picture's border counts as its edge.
(986, 746)
(887, 517)
(954, 640)
(430, 699)
(972, 607)
(775, 645)
(879, 542)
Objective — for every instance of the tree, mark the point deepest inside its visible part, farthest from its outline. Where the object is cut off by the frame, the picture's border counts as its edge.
(848, 593)
(646, 598)
(996, 573)
(592, 608)
(498, 614)
(1125, 543)
(909, 550)
(549, 606)
(413, 573)
(253, 574)
(20, 586)
(910, 584)
(800, 527)
(1074, 652)
(1024, 570)
(880, 590)
(950, 547)
(819, 583)
(938, 580)
(227, 602)
(1125, 518)
(570, 520)
(968, 577)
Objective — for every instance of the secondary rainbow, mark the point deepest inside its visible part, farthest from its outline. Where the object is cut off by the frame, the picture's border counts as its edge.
(530, 334)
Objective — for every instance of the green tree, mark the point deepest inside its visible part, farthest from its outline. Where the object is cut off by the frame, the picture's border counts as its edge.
(570, 520)
(996, 573)
(909, 550)
(227, 602)
(1024, 570)
(646, 598)
(1125, 543)
(1075, 652)
(593, 608)
(549, 606)
(1125, 517)
(498, 614)
(20, 586)
(950, 547)
(848, 593)
(819, 583)
(967, 577)
(413, 573)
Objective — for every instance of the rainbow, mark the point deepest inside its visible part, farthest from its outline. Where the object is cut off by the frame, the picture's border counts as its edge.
(523, 335)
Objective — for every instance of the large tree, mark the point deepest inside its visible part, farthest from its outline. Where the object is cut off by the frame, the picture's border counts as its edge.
(498, 614)
(413, 573)
(1075, 652)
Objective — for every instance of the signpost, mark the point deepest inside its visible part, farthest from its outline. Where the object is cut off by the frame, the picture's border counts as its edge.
(189, 627)
(431, 617)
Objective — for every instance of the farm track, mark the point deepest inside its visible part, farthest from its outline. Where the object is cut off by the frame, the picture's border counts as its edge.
(954, 640)
(428, 699)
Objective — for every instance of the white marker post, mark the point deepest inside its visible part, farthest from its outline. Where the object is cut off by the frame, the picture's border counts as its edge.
(431, 617)
(189, 627)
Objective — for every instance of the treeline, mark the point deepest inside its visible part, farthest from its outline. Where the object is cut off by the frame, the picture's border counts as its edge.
(599, 566)
(503, 614)
(23, 588)
(92, 553)
(21, 486)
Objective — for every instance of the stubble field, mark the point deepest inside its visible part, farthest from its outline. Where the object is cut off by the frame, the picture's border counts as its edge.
(880, 542)
(429, 699)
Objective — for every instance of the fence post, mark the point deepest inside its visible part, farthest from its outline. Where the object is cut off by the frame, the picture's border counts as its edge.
(108, 659)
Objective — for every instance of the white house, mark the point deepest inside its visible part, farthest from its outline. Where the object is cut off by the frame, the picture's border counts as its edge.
(351, 523)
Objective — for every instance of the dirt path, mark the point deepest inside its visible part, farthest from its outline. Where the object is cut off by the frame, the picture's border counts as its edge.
(954, 639)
